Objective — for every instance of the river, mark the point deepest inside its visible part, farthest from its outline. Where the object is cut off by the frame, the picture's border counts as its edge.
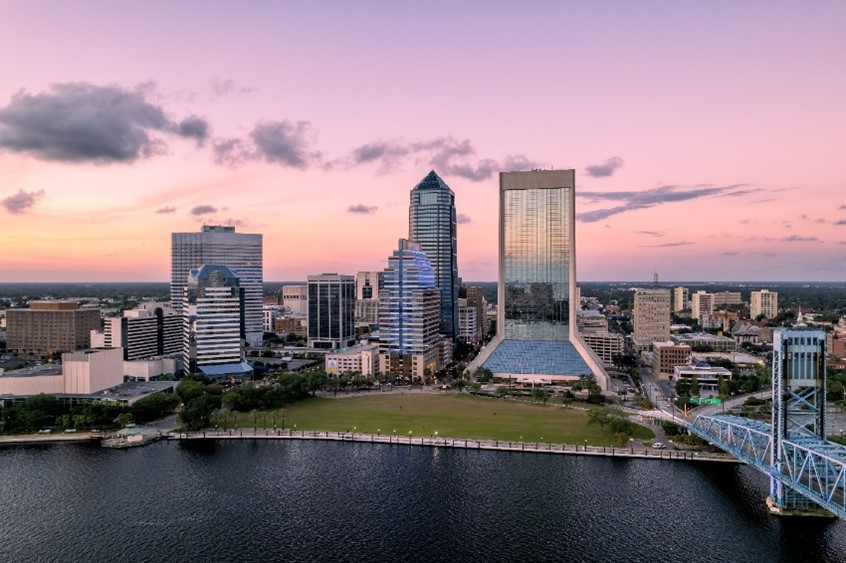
(330, 501)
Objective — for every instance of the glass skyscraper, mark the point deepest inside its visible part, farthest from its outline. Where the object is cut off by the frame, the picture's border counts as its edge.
(331, 309)
(431, 223)
(537, 286)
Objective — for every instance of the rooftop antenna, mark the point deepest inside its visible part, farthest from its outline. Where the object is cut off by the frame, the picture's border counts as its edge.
(655, 279)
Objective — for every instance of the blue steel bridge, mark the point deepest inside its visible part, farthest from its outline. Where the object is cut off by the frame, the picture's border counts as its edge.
(807, 472)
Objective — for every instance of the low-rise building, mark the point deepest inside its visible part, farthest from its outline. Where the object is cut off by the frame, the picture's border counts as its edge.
(666, 356)
(50, 326)
(604, 344)
(80, 373)
(362, 359)
(707, 376)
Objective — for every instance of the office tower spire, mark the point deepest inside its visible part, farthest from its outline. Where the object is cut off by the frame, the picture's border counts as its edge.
(431, 224)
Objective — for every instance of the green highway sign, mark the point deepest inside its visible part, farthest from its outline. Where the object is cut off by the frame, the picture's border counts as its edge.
(705, 400)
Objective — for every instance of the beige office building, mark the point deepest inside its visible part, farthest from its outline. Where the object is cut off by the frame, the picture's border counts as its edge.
(651, 316)
(763, 302)
(680, 299)
(726, 298)
(50, 326)
(666, 356)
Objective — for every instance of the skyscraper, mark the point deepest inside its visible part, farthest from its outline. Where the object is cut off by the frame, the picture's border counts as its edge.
(537, 282)
(651, 316)
(240, 252)
(409, 314)
(213, 316)
(431, 223)
(331, 308)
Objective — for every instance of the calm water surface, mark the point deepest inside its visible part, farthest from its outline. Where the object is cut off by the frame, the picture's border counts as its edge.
(324, 501)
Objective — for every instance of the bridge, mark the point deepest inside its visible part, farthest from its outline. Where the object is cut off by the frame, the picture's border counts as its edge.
(807, 472)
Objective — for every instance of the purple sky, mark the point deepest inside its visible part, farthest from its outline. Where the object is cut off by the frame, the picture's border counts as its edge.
(707, 137)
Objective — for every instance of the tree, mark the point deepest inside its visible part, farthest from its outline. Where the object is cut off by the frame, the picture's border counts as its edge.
(694, 385)
(196, 414)
(540, 394)
(483, 375)
(501, 391)
(123, 419)
(189, 389)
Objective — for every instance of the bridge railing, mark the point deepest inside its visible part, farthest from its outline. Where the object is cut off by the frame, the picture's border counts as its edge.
(817, 469)
(749, 440)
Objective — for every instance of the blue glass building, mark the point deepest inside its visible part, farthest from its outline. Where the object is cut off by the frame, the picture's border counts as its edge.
(431, 223)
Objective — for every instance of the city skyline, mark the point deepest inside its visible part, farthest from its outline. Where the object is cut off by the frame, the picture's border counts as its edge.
(705, 143)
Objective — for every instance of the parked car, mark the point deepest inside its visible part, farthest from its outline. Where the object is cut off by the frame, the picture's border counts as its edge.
(44, 431)
(659, 445)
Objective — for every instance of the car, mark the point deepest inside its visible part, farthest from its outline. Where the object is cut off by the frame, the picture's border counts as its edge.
(44, 431)
(70, 430)
(659, 446)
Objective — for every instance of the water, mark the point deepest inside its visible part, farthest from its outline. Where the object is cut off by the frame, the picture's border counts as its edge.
(325, 501)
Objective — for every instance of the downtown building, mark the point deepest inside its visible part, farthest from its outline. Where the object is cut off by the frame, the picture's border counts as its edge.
(331, 311)
(651, 317)
(536, 336)
(367, 298)
(151, 330)
(50, 327)
(763, 302)
(432, 224)
(241, 253)
(409, 314)
(681, 299)
(213, 323)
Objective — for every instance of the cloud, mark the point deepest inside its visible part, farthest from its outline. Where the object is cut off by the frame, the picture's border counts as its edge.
(667, 245)
(21, 201)
(797, 238)
(81, 122)
(203, 210)
(227, 88)
(166, 209)
(644, 199)
(463, 219)
(448, 156)
(362, 209)
(842, 207)
(652, 233)
(276, 142)
(840, 222)
(604, 169)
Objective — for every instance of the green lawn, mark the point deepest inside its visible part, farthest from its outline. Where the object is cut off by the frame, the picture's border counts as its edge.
(452, 416)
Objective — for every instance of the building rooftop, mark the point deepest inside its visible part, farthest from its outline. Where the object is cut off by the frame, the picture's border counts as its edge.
(34, 371)
(131, 391)
(540, 357)
(702, 336)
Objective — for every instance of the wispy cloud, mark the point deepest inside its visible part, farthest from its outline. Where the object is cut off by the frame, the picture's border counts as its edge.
(463, 219)
(841, 222)
(21, 201)
(227, 88)
(652, 233)
(84, 123)
(362, 209)
(277, 142)
(644, 199)
(203, 210)
(605, 168)
(667, 244)
(166, 209)
(797, 238)
(448, 156)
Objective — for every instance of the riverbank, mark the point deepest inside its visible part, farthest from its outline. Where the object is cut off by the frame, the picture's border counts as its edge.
(633, 451)
(48, 438)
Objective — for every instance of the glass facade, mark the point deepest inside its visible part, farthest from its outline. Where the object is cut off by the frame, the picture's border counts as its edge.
(536, 249)
(432, 224)
(331, 309)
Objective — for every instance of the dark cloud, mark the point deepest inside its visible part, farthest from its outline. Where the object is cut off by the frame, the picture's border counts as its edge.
(797, 238)
(81, 122)
(448, 156)
(840, 222)
(652, 233)
(166, 209)
(21, 201)
(667, 244)
(363, 209)
(842, 207)
(604, 169)
(276, 142)
(463, 219)
(632, 200)
(203, 210)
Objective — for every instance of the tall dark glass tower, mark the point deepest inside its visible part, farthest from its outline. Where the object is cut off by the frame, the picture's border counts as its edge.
(431, 224)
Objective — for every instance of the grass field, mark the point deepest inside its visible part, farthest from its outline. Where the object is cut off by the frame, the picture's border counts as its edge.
(452, 416)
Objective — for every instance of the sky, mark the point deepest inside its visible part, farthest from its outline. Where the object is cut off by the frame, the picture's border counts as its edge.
(707, 137)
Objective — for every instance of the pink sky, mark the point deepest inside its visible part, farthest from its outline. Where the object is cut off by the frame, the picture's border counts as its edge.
(720, 127)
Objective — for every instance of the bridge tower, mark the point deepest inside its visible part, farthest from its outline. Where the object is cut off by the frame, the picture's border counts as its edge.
(799, 405)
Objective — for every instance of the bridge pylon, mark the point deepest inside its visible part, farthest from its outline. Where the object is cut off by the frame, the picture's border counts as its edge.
(799, 405)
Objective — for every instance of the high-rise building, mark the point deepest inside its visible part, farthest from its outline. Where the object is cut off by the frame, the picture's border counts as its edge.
(726, 298)
(50, 326)
(701, 305)
(432, 224)
(213, 322)
(680, 299)
(367, 298)
(536, 328)
(763, 302)
(409, 314)
(651, 316)
(295, 299)
(240, 252)
(331, 308)
(468, 322)
(145, 332)
(476, 298)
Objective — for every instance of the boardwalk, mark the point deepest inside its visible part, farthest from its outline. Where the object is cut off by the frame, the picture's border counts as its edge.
(432, 441)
